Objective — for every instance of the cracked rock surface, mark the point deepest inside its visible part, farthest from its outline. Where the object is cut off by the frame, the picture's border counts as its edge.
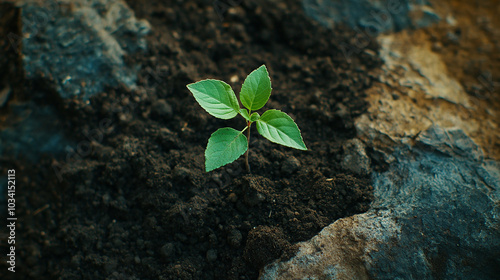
(433, 121)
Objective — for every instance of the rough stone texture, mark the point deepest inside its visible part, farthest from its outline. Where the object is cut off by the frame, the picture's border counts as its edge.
(23, 137)
(75, 48)
(417, 91)
(355, 158)
(437, 206)
(435, 216)
(372, 16)
(79, 45)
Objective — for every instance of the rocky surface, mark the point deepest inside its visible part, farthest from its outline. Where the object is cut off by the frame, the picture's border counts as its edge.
(372, 16)
(435, 216)
(355, 158)
(433, 122)
(79, 46)
(416, 91)
(70, 49)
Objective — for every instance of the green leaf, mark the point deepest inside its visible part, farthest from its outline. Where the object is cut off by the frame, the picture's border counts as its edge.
(279, 128)
(254, 117)
(244, 113)
(224, 146)
(216, 97)
(256, 89)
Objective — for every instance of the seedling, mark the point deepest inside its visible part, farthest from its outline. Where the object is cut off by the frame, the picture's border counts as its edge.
(227, 144)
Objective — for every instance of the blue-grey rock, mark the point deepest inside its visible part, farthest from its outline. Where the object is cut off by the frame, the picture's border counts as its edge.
(435, 216)
(79, 46)
(446, 199)
(372, 16)
(33, 130)
(355, 158)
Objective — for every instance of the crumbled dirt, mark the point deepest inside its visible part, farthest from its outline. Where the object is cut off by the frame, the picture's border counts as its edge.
(138, 204)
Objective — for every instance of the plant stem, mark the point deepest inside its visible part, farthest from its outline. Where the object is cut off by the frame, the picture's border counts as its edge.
(248, 150)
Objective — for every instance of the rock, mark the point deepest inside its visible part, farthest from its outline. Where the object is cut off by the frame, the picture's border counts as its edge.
(426, 95)
(436, 201)
(30, 129)
(371, 16)
(422, 16)
(434, 209)
(34, 130)
(78, 48)
(355, 158)
(290, 165)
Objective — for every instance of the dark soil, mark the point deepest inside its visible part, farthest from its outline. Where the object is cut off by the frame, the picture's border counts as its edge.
(139, 205)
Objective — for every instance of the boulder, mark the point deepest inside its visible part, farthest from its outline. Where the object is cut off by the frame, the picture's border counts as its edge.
(78, 47)
(434, 216)
(436, 202)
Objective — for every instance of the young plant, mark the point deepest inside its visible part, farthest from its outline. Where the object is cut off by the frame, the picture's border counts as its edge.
(227, 144)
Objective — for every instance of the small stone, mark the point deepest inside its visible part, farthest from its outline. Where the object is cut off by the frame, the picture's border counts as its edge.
(234, 238)
(137, 260)
(211, 255)
(355, 158)
(290, 165)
